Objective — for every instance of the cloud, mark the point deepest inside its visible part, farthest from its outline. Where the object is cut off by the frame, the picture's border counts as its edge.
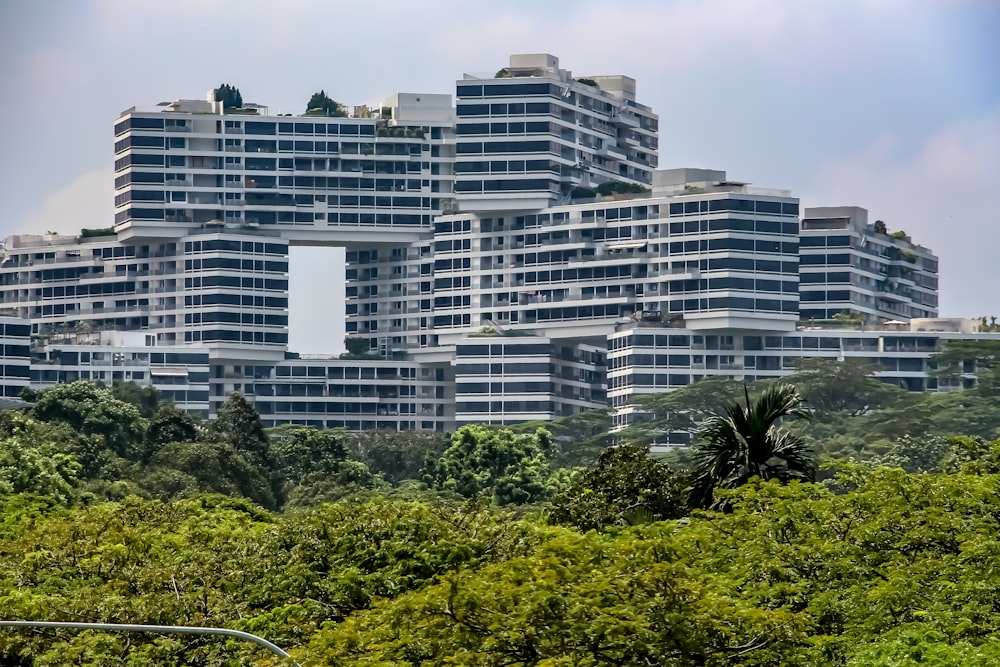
(943, 192)
(88, 201)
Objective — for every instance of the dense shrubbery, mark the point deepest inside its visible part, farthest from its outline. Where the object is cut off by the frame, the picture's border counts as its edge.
(514, 546)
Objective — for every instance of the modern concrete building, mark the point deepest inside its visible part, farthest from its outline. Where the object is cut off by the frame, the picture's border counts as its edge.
(851, 267)
(374, 176)
(15, 357)
(532, 133)
(488, 278)
(645, 358)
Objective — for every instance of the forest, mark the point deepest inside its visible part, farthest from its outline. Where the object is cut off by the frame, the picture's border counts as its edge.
(826, 519)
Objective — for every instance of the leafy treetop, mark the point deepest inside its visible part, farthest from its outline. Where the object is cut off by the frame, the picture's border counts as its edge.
(321, 103)
(229, 96)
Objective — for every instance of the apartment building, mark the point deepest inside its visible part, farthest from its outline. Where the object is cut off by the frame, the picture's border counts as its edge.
(225, 288)
(851, 267)
(15, 357)
(485, 273)
(646, 357)
(718, 252)
(374, 176)
(180, 373)
(509, 379)
(530, 134)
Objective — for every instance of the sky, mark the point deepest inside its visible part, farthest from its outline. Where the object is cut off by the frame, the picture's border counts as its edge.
(893, 105)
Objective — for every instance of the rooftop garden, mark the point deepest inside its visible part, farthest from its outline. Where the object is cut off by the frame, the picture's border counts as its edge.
(321, 104)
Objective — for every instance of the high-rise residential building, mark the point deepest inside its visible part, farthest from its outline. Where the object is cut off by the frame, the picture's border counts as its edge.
(490, 273)
(15, 357)
(646, 358)
(376, 176)
(851, 267)
(531, 134)
(717, 252)
(225, 288)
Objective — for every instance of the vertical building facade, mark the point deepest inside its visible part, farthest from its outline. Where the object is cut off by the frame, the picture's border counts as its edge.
(531, 134)
(850, 267)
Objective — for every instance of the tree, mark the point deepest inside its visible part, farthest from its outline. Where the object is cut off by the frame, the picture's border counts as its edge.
(397, 455)
(577, 439)
(30, 461)
(321, 102)
(207, 467)
(238, 425)
(299, 450)
(627, 486)
(620, 187)
(170, 424)
(961, 357)
(676, 416)
(356, 346)
(229, 96)
(145, 399)
(847, 385)
(93, 410)
(745, 441)
(508, 468)
(914, 454)
(880, 227)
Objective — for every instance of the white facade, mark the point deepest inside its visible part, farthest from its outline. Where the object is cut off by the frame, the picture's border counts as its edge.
(531, 134)
(646, 359)
(227, 289)
(510, 379)
(374, 177)
(179, 373)
(723, 257)
(852, 267)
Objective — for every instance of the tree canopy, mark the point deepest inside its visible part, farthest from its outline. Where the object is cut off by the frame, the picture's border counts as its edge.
(229, 96)
(325, 543)
(322, 103)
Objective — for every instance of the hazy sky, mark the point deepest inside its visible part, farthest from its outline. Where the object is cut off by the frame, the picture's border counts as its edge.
(893, 105)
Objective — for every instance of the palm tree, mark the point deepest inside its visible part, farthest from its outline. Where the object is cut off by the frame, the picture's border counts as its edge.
(745, 441)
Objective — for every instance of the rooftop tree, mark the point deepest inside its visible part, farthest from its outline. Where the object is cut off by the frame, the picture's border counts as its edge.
(322, 103)
(229, 96)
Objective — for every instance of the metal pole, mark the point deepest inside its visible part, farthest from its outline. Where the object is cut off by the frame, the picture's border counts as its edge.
(163, 629)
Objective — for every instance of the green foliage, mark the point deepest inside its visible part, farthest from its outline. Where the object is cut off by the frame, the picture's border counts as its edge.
(508, 468)
(93, 410)
(956, 355)
(577, 439)
(745, 441)
(145, 399)
(830, 385)
(182, 469)
(320, 103)
(575, 600)
(314, 465)
(31, 462)
(229, 96)
(626, 487)
(238, 425)
(170, 424)
(92, 233)
(587, 82)
(914, 454)
(619, 187)
(679, 414)
(356, 345)
(397, 456)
